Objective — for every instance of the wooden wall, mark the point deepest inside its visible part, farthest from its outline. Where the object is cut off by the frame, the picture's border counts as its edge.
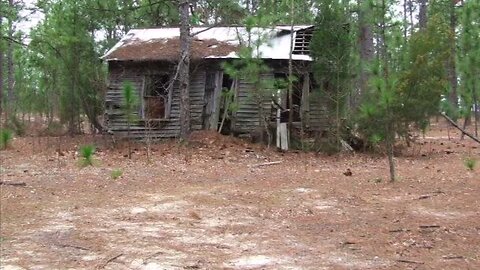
(246, 118)
(318, 116)
(135, 72)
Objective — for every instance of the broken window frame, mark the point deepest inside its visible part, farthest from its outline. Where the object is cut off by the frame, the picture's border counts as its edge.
(302, 41)
(167, 97)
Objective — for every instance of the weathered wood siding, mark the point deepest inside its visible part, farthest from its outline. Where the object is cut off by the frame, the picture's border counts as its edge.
(247, 116)
(135, 72)
(318, 115)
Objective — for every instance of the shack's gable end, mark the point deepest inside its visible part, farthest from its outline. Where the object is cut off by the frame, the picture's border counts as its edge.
(209, 42)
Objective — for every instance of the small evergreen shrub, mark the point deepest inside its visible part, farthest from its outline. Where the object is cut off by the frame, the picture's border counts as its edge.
(115, 174)
(470, 163)
(54, 128)
(17, 126)
(86, 155)
(5, 137)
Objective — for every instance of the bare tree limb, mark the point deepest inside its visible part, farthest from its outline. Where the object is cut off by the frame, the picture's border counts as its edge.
(203, 30)
(459, 128)
(109, 260)
(14, 41)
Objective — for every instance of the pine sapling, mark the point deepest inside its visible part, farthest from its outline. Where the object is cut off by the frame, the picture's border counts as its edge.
(115, 174)
(470, 163)
(6, 137)
(86, 155)
(130, 102)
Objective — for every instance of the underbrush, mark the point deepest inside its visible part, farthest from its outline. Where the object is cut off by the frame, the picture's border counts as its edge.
(86, 155)
(6, 137)
(470, 163)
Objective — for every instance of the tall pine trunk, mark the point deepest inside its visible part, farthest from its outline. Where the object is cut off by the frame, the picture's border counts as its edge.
(405, 24)
(10, 108)
(422, 14)
(452, 69)
(74, 114)
(389, 128)
(366, 51)
(1, 69)
(184, 69)
(390, 142)
(290, 73)
(475, 108)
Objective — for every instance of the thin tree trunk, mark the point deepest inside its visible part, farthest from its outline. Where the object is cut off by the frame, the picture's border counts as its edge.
(391, 161)
(475, 108)
(410, 6)
(476, 119)
(1, 69)
(337, 120)
(184, 69)
(129, 140)
(148, 141)
(290, 73)
(422, 14)
(465, 123)
(73, 113)
(405, 23)
(390, 130)
(11, 80)
(452, 69)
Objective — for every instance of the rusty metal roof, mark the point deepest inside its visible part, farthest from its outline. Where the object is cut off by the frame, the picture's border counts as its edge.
(213, 43)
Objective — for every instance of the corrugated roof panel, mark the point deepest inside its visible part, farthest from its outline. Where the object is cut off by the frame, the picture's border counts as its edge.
(215, 42)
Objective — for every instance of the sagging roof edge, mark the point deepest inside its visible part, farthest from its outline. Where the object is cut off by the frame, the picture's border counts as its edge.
(146, 35)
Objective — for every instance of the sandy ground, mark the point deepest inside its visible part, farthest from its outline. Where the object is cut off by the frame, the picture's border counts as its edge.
(208, 206)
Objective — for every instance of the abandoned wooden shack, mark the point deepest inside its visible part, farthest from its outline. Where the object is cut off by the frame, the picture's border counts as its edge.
(147, 59)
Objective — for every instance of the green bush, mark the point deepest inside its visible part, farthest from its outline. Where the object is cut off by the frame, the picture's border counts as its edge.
(54, 128)
(17, 126)
(115, 174)
(86, 155)
(5, 137)
(470, 163)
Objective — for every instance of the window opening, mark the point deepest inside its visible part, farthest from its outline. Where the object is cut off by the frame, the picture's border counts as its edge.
(156, 96)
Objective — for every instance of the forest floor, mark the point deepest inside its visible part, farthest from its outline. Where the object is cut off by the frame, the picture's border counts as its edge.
(207, 205)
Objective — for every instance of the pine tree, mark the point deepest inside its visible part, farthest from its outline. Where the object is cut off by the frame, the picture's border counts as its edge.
(469, 61)
(408, 94)
(332, 53)
(130, 106)
(184, 68)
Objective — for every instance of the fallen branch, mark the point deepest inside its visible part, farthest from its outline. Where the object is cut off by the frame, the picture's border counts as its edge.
(111, 259)
(409, 261)
(62, 245)
(153, 255)
(203, 30)
(266, 164)
(399, 230)
(433, 194)
(459, 128)
(15, 184)
(452, 257)
(429, 226)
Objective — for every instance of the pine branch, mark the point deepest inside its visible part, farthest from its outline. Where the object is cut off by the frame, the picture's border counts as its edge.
(14, 41)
